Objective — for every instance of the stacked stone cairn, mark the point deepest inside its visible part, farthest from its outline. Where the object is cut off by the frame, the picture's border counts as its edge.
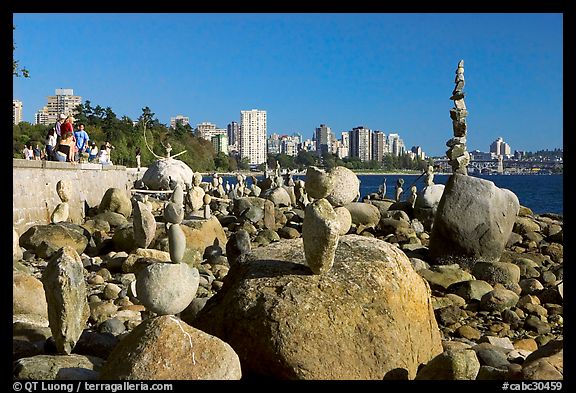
(457, 153)
(325, 217)
(474, 218)
(62, 210)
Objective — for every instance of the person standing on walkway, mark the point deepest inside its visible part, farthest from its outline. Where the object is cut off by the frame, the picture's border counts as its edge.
(82, 140)
(58, 126)
(51, 140)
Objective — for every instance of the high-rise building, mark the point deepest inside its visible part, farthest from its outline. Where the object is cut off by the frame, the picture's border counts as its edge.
(378, 145)
(418, 152)
(16, 111)
(500, 148)
(396, 145)
(361, 143)
(232, 130)
(41, 117)
(220, 143)
(64, 101)
(207, 130)
(323, 138)
(253, 136)
(273, 144)
(179, 119)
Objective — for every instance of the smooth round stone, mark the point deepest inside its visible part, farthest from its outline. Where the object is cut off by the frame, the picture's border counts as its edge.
(173, 213)
(167, 288)
(176, 243)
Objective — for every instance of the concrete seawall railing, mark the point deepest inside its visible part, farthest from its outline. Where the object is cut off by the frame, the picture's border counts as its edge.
(34, 194)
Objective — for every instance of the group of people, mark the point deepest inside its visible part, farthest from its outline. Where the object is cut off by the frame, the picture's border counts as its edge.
(65, 144)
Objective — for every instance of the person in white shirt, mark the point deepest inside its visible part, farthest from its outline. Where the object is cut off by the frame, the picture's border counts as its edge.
(104, 156)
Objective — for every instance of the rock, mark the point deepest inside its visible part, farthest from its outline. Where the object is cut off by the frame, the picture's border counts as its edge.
(451, 365)
(166, 348)
(371, 303)
(28, 295)
(498, 299)
(278, 195)
(320, 233)
(166, 288)
(288, 233)
(130, 264)
(444, 276)
(344, 219)
(524, 225)
(491, 355)
(113, 219)
(176, 243)
(60, 213)
(238, 244)
(161, 172)
(55, 236)
(144, 225)
(201, 233)
(363, 214)
(473, 222)
(66, 296)
(426, 205)
(319, 184)
(471, 289)
(497, 272)
(346, 186)
(16, 250)
(117, 201)
(47, 367)
(547, 363)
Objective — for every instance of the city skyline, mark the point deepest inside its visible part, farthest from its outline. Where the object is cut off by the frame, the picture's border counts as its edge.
(388, 72)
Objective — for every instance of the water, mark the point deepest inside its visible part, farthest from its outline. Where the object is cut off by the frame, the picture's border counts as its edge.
(540, 193)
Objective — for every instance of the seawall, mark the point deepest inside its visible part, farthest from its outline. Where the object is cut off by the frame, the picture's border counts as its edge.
(34, 194)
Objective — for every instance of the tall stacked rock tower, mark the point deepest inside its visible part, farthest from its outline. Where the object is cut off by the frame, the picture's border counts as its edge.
(457, 153)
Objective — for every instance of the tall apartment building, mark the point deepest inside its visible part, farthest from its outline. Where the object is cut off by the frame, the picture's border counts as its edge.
(361, 143)
(220, 143)
(233, 129)
(179, 119)
(273, 144)
(64, 101)
(418, 152)
(379, 145)
(253, 136)
(500, 148)
(16, 111)
(323, 138)
(396, 145)
(41, 117)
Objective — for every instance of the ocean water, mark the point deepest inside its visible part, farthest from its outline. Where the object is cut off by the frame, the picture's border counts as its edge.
(540, 193)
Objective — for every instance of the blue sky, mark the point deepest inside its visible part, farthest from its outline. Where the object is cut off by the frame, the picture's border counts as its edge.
(389, 72)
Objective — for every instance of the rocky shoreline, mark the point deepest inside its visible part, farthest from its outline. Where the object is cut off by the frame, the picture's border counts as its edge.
(259, 312)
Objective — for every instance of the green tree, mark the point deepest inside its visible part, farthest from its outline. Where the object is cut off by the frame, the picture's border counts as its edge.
(17, 70)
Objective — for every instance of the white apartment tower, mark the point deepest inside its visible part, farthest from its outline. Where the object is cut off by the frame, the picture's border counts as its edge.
(500, 148)
(253, 136)
(16, 111)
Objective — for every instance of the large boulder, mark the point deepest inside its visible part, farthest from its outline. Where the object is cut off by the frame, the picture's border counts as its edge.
(364, 215)
(369, 315)
(166, 348)
(44, 240)
(117, 201)
(346, 186)
(28, 295)
(426, 204)
(473, 222)
(161, 172)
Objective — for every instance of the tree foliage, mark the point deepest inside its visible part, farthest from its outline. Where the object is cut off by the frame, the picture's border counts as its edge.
(17, 70)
